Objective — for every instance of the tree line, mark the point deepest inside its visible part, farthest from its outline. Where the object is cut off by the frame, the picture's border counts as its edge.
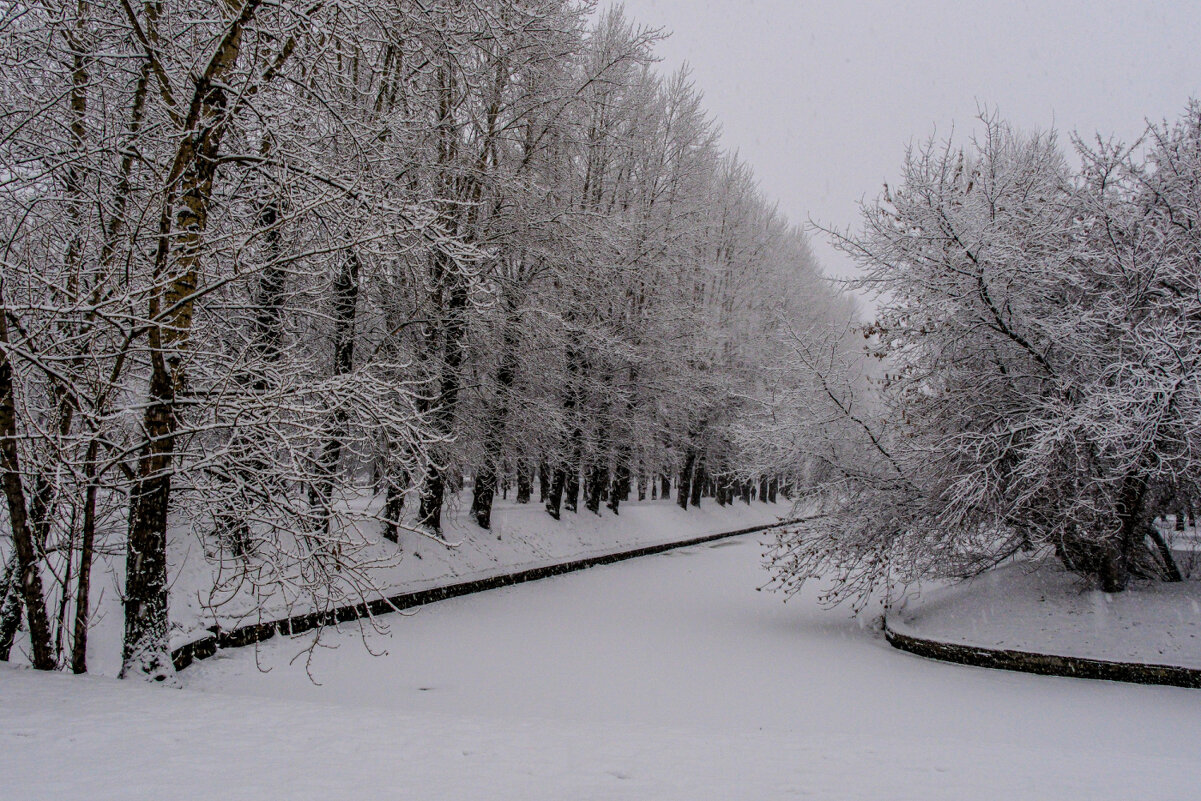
(1037, 387)
(272, 271)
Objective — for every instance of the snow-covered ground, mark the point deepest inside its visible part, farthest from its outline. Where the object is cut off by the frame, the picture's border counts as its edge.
(522, 536)
(662, 678)
(1039, 607)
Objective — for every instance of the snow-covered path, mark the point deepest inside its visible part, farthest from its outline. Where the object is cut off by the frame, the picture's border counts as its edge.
(662, 678)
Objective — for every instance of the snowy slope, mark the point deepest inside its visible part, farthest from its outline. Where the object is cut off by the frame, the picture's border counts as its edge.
(1040, 607)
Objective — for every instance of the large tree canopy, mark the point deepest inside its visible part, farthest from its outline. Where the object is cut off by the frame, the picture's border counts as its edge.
(1037, 341)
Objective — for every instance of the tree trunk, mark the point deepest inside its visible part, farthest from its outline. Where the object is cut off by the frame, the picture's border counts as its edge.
(684, 484)
(83, 590)
(1171, 569)
(621, 478)
(494, 429)
(597, 481)
(146, 650)
(10, 606)
(451, 289)
(554, 494)
(524, 482)
(345, 291)
(433, 493)
(177, 261)
(28, 573)
(571, 408)
(1118, 553)
(698, 483)
(482, 495)
(60, 623)
(619, 490)
(571, 489)
(394, 502)
(725, 486)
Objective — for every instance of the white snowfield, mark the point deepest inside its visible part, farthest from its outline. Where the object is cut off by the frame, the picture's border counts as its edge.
(1039, 607)
(666, 678)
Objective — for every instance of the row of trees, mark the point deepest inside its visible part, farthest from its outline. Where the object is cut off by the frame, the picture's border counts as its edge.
(268, 270)
(1039, 390)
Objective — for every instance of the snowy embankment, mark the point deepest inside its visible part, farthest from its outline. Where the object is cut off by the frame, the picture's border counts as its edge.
(523, 537)
(1039, 608)
(661, 678)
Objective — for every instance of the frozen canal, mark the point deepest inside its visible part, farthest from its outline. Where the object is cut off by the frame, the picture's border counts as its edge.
(661, 678)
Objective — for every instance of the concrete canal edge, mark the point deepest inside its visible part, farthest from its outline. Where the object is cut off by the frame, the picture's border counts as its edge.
(1076, 667)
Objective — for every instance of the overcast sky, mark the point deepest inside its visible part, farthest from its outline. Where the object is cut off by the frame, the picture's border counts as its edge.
(822, 97)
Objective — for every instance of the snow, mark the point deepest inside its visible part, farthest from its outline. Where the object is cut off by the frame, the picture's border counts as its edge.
(522, 536)
(1039, 607)
(661, 678)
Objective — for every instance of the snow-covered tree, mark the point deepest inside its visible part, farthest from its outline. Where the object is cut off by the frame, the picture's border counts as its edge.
(268, 269)
(1036, 349)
